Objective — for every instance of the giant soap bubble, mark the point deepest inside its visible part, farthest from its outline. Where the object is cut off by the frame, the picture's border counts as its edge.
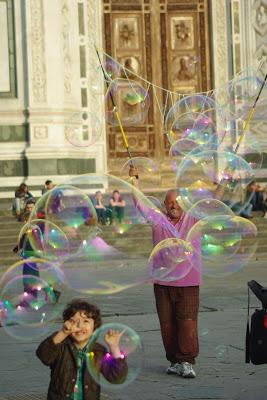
(111, 371)
(212, 174)
(116, 257)
(83, 129)
(227, 243)
(132, 102)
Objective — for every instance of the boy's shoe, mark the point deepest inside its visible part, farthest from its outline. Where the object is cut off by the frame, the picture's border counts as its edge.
(173, 369)
(186, 370)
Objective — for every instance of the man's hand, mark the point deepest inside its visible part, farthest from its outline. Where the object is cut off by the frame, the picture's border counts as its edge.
(133, 172)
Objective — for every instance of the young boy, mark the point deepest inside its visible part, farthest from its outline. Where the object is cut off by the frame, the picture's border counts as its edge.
(65, 353)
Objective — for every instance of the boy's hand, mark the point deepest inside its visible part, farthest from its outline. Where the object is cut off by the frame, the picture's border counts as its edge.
(70, 327)
(112, 338)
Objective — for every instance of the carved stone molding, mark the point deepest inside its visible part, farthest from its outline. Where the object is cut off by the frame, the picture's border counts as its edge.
(40, 132)
(260, 17)
(65, 11)
(220, 44)
(38, 51)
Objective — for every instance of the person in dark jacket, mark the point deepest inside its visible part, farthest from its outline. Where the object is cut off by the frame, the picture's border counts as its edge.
(65, 352)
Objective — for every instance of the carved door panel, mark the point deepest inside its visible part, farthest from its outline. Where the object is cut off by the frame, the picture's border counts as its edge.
(166, 42)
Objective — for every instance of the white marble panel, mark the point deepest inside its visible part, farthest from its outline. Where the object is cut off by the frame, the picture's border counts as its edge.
(4, 56)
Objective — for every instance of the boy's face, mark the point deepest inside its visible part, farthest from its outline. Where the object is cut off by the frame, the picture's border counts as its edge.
(84, 327)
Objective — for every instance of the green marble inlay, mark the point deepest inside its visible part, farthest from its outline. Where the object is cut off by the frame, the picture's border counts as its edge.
(64, 166)
(13, 133)
(81, 19)
(84, 97)
(9, 168)
(12, 51)
(82, 62)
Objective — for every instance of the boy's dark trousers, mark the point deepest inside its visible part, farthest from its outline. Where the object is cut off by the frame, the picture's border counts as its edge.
(177, 309)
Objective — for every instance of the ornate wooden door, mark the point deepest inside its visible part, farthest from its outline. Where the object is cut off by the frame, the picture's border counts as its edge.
(167, 43)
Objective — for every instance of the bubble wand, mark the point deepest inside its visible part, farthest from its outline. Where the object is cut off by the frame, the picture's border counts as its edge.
(115, 110)
(251, 114)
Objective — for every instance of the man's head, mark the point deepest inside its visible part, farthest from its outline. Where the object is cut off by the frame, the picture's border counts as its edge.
(29, 206)
(173, 209)
(49, 184)
(85, 316)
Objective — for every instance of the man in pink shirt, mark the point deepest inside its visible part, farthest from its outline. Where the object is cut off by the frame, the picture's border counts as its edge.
(177, 302)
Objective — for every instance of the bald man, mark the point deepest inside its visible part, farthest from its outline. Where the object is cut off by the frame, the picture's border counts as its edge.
(177, 302)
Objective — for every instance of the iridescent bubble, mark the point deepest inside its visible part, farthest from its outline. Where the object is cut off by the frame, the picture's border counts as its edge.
(213, 175)
(209, 208)
(148, 172)
(51, 277)
(244, 144)
(131, 100)
(237, 97)
(199, 127)
(109, 370)
(83, 129)
(171, 260)
(199, 112)
(29, 301)
(103, 74)
(230, 240)
(42, 238)
(222, 354)
(71, 210)
(116, 257)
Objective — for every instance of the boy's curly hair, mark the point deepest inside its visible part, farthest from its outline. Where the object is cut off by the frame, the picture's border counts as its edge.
(90, 310)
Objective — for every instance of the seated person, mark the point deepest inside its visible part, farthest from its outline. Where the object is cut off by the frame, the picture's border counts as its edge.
(48, 186)
(117, 205)
(97, 201)
(22, 195)
(255, 194)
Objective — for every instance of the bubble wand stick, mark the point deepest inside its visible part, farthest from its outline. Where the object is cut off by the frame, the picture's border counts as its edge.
(115, 110)
(251, 114)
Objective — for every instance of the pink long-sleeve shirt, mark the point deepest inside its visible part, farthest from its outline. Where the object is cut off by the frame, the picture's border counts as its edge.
(179, 230)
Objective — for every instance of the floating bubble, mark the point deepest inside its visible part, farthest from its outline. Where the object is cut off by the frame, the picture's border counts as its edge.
(209, 208)
(222, 354)
(148, 172)
(111, 67)
(171, 260)
(103, 74)
(33, 285)
(213, 175)
(71, 210)
(132, 103)
(197, 111)
(26, 297)
(114, 371)
(42, 238)
(83, 129)
(204, 332)
(182, 147)
(244, 144)
(155, 201)
(116, 257)
(230, 240)
(199, 127)
(237, 97)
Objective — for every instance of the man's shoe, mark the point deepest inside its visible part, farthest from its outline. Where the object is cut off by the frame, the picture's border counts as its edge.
(173, 369)
(186, 370)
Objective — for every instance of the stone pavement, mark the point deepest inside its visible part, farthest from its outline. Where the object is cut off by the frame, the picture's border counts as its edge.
(221, 370)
